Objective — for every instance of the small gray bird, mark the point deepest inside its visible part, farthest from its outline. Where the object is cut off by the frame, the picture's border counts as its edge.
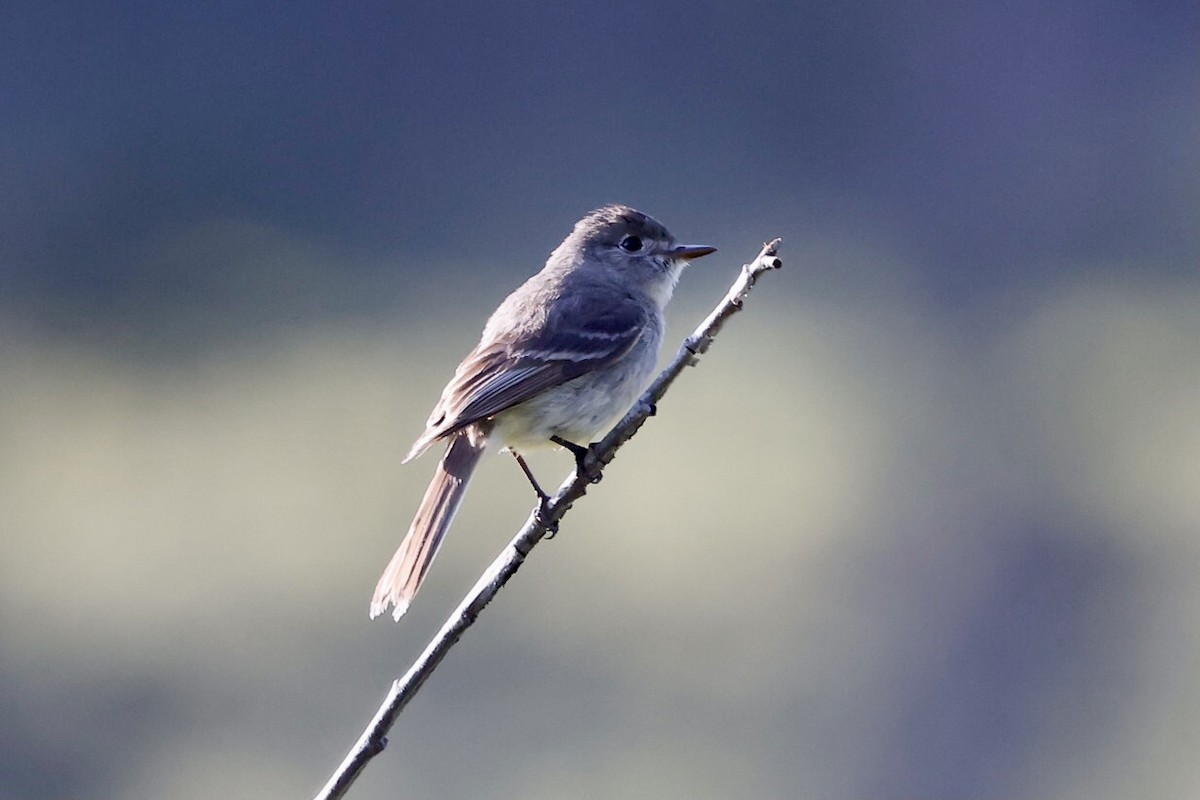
(561, 359)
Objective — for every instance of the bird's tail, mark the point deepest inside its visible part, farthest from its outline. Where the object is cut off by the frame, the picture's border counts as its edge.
(408, 566)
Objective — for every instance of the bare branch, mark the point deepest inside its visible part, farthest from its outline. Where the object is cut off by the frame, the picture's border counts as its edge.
(373, 739)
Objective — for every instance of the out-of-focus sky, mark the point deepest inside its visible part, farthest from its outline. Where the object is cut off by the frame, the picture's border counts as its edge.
(923, 524)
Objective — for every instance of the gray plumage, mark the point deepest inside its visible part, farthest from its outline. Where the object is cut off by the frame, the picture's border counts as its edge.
(564, 355)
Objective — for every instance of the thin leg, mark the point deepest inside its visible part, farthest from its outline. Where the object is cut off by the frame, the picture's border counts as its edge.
(543, 498)
(581, 453)
(537, 487)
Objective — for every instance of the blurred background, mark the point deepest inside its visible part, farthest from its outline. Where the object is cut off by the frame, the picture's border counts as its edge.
(924, 524)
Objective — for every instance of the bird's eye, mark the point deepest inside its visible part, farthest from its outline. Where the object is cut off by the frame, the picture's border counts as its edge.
(631, 244)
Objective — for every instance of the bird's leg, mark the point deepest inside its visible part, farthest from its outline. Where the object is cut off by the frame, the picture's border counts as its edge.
(543, 498)
(537, 487)
(582, 467)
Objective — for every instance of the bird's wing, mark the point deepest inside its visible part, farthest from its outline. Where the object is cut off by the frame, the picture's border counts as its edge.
(505, 371)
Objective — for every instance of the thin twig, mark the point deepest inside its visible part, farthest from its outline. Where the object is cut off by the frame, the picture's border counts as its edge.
(373, 739)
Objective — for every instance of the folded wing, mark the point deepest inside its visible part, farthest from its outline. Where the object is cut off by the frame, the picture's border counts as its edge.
(502, 373)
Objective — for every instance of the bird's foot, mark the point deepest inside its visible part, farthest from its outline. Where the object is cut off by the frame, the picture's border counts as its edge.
(587, 466)
(543, 519)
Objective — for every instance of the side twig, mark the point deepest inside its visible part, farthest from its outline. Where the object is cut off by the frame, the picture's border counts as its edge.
(373, 739)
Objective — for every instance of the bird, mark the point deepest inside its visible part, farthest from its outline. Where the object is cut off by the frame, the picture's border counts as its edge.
(562, 358)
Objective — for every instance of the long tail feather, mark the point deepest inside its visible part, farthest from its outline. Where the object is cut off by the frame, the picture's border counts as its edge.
(408, 566)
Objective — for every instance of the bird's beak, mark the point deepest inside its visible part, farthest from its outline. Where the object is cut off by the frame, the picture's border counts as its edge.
(687, 252)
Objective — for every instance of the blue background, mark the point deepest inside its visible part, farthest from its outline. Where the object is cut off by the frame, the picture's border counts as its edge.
(923, 524)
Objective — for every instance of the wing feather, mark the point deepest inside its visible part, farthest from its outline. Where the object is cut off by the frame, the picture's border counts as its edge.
(508, 370)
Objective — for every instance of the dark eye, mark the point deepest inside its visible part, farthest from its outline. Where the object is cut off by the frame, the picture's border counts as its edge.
(631, 244)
